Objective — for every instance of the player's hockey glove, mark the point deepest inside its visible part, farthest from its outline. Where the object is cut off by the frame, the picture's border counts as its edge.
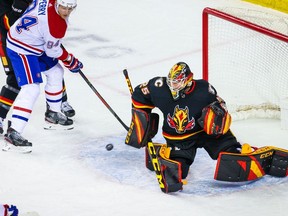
(10, 210)
(73, 64)
(215, 119)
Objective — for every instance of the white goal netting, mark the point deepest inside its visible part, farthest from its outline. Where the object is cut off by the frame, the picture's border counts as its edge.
(245, 57)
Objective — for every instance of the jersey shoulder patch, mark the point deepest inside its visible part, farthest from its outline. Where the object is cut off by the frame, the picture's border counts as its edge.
(57, 25)
(158, 81)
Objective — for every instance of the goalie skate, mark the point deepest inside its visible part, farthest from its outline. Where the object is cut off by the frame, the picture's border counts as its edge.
(57, 121)
(14, 142)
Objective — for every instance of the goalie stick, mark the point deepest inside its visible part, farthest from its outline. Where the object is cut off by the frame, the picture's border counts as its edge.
(125, 72)
(150, 149)
(103, 100)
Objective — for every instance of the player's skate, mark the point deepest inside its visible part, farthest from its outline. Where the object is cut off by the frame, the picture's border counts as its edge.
(67, 109)
(16, 143)
(57, 120)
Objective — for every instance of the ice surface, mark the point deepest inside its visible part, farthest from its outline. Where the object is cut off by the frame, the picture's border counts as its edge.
(71, 173)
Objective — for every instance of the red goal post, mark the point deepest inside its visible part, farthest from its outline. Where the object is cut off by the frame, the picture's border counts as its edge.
(245, 56)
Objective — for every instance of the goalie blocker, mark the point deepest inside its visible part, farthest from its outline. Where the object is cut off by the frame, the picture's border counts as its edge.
(142, 129)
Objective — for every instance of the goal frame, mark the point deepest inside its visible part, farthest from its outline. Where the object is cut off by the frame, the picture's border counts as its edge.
(230, 18)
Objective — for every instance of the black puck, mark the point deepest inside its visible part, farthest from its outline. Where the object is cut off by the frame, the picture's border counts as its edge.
(109, 147)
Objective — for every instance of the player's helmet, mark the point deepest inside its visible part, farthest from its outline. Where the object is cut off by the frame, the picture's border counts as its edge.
(179, 77)
(67, 3)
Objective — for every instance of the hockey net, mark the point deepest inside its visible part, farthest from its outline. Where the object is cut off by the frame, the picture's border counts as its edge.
(245, 57)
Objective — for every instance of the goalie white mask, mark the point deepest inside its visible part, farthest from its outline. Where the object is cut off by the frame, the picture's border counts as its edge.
(179, 77)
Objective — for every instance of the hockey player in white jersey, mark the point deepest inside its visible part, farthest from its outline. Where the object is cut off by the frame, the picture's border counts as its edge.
(34, 47)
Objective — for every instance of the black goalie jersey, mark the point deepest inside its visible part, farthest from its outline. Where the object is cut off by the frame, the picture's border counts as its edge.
(180, 116)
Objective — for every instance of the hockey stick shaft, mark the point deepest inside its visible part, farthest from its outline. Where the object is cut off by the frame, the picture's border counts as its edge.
(103, 100)
(150, 149)
(125, 72)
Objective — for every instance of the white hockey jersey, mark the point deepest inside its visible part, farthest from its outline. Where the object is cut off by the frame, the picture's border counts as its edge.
(40, 29)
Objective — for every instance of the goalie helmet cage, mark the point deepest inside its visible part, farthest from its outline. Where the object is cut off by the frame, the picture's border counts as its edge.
(245, 58)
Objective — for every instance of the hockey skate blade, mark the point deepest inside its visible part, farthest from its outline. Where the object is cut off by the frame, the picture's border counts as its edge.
(51, 126)
(8, 147)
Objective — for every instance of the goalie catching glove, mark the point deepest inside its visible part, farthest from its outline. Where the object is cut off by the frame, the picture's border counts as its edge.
(215, 119)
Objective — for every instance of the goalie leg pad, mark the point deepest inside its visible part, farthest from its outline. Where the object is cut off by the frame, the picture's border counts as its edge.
(251, 166)
(171, 170)
(279, 163)
(148, 160)
(142, 129)
(237, 168)
(168, 172)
